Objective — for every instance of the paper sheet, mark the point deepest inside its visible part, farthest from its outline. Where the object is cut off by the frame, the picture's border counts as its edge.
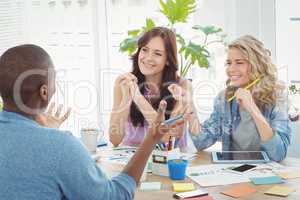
(218, 174)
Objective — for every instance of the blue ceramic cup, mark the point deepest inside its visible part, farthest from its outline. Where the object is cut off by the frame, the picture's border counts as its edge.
(177, 168)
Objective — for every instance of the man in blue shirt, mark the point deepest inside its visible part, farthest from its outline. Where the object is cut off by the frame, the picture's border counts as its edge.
(37, 162)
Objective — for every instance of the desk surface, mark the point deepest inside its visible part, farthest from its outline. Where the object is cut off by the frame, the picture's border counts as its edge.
(204, 157)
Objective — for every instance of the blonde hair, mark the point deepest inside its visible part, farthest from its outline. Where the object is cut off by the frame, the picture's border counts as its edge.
(261, 65)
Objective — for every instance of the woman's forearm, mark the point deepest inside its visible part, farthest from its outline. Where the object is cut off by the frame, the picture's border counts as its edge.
(146, 108)
(194, 125)
(264, 128)
(119, 117)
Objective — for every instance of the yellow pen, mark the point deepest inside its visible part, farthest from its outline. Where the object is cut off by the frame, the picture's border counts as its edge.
(246, 88)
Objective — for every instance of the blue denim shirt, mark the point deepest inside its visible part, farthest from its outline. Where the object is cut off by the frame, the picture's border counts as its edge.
(44, 163)
(225, 118)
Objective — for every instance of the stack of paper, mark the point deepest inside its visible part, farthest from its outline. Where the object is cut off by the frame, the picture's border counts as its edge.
(218, 174)
(214, 174)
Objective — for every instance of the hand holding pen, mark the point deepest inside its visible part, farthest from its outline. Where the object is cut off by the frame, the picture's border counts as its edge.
(245, 99)
(244, 96)
(247, 87)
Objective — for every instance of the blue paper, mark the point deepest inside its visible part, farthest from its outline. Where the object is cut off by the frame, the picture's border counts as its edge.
(266, 180)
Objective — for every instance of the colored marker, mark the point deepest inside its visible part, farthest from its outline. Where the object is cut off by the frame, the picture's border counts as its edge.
(173, 120)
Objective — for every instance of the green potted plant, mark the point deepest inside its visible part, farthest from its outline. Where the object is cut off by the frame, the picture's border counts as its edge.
(192, 52)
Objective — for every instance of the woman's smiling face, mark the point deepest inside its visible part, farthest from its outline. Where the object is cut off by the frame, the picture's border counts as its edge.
(152, 57)
(237, 68)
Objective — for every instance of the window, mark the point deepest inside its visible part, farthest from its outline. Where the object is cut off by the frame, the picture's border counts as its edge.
(67, 31)
(11, 23)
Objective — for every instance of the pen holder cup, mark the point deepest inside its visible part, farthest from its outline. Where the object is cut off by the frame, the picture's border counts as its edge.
(160, 161)
(177, 169)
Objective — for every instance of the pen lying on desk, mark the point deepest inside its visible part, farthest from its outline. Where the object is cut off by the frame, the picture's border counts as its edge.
(246, 88)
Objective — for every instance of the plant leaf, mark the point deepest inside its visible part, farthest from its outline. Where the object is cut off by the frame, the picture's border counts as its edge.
(180, 39)
(134, 32)
(197, 54)
(177, 10)
(149, 25)
(129, 45)
(207, 30)
(203, 61)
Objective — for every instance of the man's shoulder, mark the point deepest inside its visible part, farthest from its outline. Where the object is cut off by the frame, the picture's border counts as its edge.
(56, 134)
(51, 135)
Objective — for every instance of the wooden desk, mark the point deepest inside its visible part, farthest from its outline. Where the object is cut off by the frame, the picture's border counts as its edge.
(204, 157)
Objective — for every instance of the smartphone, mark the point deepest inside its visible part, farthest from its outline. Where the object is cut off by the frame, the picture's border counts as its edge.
(190, 194)
(243, 168)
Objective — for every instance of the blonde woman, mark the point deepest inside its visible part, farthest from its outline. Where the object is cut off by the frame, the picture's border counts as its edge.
(255, 119)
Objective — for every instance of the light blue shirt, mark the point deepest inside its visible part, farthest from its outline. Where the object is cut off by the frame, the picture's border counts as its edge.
(42, 163)
(225, 118)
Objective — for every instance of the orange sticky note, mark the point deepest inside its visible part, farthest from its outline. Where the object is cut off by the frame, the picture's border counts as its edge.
(239, 191)
(289, 175)
(277, 190)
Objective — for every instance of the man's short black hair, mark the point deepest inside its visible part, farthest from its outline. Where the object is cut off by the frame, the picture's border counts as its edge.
(19, 60)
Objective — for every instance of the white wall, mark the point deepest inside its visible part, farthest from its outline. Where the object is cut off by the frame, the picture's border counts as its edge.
(12, 26)
(254, 17)
(68, 33)
(287, 36)
(288, 48)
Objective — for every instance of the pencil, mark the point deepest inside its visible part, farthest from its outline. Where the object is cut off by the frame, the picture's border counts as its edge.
(170, 143)
(246, 88)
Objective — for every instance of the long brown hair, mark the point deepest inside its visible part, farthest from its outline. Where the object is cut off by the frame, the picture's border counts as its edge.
(169, 72)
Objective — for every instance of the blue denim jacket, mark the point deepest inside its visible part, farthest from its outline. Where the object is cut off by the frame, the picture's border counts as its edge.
(225, 118)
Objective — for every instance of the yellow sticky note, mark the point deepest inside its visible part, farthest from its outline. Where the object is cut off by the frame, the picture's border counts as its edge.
(289, 175)
(282, 191)
(183, 187)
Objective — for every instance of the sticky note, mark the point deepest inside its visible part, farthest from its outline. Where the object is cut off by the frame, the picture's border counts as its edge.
(239, 191)
(282, 191)
(289, 175)
(266, 180)
(148, 186)
(201, 198)
(183, 187)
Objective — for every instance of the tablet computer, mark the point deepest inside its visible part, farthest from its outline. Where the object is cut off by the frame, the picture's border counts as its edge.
(240, 157)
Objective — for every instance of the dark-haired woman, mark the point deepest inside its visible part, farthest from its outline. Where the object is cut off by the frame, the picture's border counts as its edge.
(137, 94)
